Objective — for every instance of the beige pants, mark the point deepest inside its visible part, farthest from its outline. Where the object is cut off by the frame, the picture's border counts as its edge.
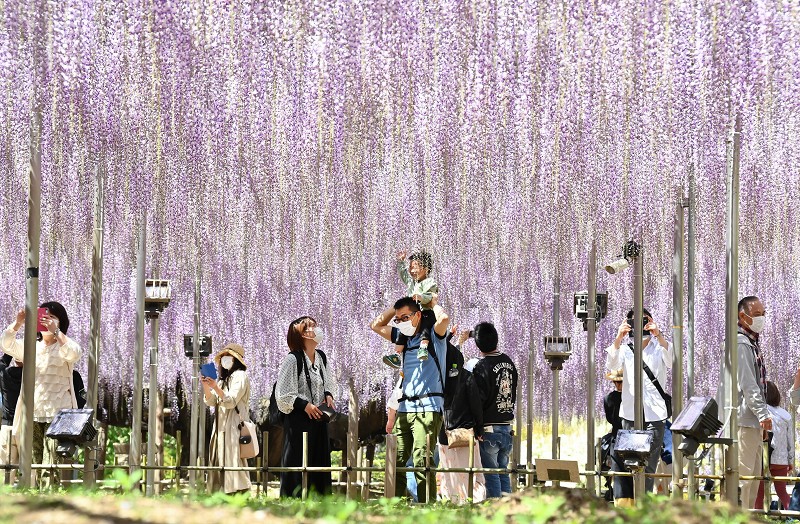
(750, 463)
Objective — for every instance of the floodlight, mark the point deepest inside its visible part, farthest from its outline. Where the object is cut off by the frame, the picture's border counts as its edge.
(630, 251)
(580, 306)
(157, 294)
(617, 266)
(633, 447)
(71, 428)
(698, 421)
(203, 348)
(556, 351)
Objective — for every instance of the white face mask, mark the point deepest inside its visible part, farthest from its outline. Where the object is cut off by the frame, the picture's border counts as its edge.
(319, 336)
(406, 328)
(757, 326)
(226, 362)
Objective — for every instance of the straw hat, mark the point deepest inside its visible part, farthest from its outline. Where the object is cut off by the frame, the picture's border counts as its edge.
(234, 350)
(615, 376)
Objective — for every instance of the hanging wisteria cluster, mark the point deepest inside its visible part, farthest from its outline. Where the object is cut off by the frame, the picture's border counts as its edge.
(287, 150)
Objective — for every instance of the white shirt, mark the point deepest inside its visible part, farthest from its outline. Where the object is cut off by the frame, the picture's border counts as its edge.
(783, 452)
(658, 359)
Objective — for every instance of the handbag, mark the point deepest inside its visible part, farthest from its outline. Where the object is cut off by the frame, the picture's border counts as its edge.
(459, 437)
(248, 437)
(328, 414)
(794, 501)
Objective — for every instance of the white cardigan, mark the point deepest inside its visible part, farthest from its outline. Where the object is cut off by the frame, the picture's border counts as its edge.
(53, 390)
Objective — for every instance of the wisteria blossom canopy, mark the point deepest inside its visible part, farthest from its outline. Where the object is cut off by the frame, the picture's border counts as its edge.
(287, 149)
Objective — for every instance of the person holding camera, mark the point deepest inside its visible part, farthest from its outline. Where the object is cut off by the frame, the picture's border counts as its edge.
(657, 359)
(304, 393)
(230, 395)
(56, 355)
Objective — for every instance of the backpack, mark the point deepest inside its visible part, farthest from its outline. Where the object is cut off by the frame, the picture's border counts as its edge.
(451, 377)
(275, 417)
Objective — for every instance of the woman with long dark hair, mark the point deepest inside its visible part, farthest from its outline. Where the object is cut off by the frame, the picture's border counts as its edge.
(230, 395)
(303, 385)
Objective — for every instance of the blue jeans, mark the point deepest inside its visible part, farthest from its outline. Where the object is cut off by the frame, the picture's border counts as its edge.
(495, 450)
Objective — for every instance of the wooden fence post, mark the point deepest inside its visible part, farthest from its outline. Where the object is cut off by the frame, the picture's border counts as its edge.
(390, 470)
(352, 442)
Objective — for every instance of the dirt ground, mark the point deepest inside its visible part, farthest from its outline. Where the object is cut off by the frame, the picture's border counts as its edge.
(72, 509)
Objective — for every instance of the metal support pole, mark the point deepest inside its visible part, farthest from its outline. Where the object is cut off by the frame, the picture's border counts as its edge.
(134, 458)
(638, 369)
(152, 404)
(554, 417)
(554, 399)
(194, 428)
(591, 328)
(731, 310)
(690, 248)
(529, 441)
(31, 300)
(94, 320)
(677, 344)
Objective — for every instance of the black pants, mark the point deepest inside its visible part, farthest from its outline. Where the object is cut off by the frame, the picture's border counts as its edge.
(319, 454)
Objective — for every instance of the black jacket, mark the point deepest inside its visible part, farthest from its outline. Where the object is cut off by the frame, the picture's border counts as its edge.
(611, 405)
(10, 385)
(495, 378)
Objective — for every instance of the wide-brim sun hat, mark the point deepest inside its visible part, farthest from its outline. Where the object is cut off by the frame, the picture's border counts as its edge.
(234, 350)
(615, 376)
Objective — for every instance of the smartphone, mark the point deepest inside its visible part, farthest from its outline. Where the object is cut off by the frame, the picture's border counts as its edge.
(209, 370)
(40, 314)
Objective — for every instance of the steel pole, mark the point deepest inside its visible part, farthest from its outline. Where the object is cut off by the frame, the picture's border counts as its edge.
(554, 404)
(677, 345)
(638, 370)
(90, 464)
(134, 459)
(194, 433)
(731, 310)
(591, 328)
(690, 247)
(529, 442)
(31, 300)
(152, 412)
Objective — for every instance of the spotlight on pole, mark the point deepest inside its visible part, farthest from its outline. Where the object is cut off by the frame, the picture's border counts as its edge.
(556, 351)
(697, 422)
(157, 294)
(633, 447)
(630, 251)
(580, 306)
(71, 428)
(204, 345)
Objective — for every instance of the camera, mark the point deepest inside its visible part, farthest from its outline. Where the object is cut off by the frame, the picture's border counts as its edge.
(644, 323)
(245, 439)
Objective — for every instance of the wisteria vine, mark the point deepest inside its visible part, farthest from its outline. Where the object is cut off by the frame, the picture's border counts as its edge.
(286, 150)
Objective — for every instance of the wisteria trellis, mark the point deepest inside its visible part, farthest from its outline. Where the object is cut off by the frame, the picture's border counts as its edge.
(288, 148)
